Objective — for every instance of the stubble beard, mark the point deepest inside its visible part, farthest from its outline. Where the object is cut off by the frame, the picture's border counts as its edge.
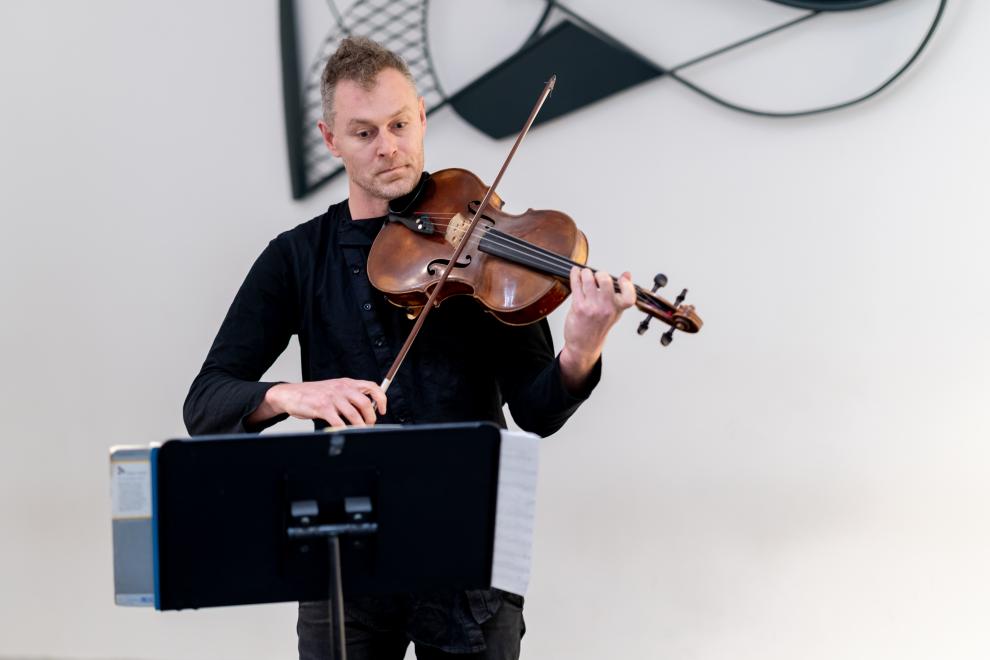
(392, 189)
(389, 190)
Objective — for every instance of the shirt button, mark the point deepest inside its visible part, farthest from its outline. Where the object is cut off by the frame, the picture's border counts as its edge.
(379, 342)
(403, 420)
(366, 307)
(356, 269)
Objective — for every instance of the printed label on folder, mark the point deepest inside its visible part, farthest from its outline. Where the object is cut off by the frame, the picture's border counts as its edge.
(130, 489)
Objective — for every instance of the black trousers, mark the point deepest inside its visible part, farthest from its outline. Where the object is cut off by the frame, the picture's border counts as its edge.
(502, 633)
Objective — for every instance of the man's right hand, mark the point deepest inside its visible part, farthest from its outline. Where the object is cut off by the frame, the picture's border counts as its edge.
(339, 402)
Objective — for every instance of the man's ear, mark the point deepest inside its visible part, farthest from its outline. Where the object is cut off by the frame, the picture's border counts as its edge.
(328, 138)
(422, 112)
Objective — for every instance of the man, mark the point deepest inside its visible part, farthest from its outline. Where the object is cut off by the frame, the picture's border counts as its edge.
(464, 365)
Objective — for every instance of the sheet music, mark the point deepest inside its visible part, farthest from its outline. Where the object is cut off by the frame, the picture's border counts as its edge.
(515, 511)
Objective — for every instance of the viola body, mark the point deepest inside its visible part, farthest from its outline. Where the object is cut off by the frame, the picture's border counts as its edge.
(503, 264)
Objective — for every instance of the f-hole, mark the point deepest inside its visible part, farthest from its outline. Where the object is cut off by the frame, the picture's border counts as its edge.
(432, 269)
(473, 208)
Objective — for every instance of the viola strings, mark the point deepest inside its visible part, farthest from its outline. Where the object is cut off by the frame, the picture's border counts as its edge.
(543, 257)
(536, 255)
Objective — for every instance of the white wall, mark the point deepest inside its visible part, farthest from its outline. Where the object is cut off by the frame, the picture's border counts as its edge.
(804, 479)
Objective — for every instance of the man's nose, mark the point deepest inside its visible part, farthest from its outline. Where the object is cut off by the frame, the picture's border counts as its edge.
(387, 144)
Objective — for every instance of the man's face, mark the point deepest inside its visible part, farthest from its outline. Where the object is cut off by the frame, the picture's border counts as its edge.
(378, 133)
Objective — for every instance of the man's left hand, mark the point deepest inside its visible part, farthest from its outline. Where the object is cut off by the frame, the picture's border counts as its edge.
(595, 307)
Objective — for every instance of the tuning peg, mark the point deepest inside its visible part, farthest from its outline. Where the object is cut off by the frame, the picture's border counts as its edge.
(668, 336)
(659, 280)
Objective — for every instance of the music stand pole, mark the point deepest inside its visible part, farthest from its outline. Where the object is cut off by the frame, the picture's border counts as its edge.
(338, 642)
(335, 595)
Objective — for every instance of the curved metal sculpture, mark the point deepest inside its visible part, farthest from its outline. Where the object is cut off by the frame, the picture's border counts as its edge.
(562, 42)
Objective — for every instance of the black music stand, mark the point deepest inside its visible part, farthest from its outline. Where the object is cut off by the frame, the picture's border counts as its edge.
(243, 519)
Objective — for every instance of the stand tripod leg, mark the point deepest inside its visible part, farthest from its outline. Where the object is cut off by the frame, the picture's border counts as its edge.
(335, 599)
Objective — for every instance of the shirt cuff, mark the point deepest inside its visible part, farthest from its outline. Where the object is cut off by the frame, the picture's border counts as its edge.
(258, 395)
(590, 382)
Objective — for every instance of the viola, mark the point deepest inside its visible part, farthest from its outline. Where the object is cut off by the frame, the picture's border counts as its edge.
(450, 237)
(516, 266)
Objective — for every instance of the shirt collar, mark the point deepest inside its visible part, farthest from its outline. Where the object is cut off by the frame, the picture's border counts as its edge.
(359, 233)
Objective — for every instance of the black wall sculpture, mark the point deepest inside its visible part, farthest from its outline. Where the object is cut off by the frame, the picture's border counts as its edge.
(562, 42)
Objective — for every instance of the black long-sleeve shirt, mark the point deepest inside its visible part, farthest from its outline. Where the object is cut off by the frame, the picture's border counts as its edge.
(465, 365)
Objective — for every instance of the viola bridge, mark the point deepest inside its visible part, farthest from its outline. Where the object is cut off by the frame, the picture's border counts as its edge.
(456, 229)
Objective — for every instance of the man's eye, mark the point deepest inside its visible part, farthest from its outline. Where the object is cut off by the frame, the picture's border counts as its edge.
(363, 134)
(401, 124)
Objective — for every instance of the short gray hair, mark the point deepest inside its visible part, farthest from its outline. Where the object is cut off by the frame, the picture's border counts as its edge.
(359, 59)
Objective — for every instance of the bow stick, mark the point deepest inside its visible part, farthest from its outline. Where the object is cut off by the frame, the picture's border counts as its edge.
(430, 303)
